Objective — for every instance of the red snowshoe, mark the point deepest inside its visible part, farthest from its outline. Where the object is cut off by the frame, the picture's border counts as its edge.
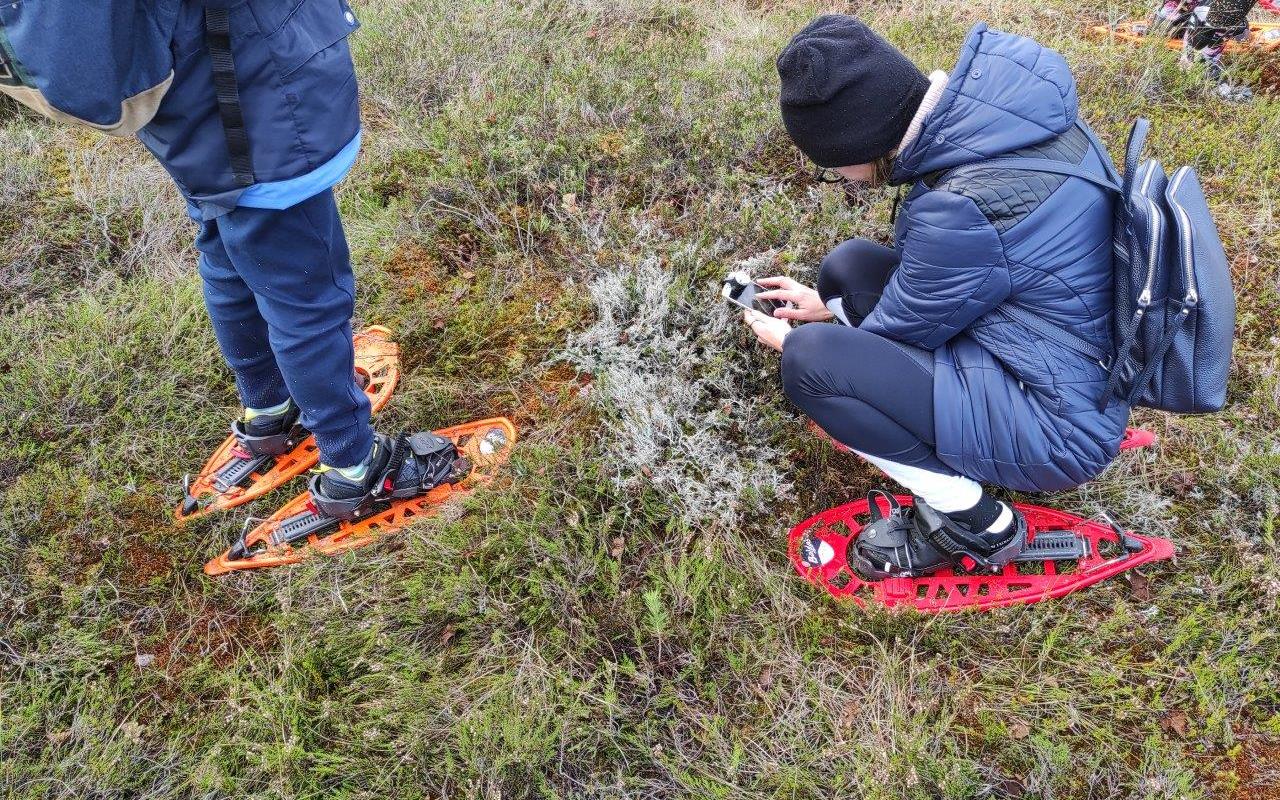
(1064, 553)
(234, 475)
(300, 529)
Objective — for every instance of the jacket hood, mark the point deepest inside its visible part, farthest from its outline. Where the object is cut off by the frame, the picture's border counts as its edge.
(1005, 92)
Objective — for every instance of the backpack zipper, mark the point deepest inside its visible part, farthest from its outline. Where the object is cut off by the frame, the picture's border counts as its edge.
(1157, 222)
(1144, 299)
(1188, 265)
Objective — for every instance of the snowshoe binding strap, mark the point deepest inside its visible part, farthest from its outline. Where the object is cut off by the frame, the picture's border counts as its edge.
(889, 544)
(959, 544)
(276, 444)
(255, 453)
(418, 463)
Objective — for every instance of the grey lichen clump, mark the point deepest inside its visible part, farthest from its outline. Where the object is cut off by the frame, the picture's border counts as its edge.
(671, 389)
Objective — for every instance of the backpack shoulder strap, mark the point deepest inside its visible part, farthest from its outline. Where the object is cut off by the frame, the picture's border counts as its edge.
(218, 38)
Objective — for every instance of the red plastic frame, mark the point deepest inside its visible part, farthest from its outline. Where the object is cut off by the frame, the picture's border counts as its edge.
(947, 591)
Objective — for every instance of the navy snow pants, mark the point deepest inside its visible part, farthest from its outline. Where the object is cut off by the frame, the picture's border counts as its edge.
(280, 292)
(872, 394)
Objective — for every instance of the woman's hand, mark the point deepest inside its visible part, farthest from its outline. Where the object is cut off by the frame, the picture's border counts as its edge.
(768, 330)
(808, 305)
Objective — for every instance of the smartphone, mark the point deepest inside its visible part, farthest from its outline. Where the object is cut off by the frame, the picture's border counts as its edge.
(740, 290)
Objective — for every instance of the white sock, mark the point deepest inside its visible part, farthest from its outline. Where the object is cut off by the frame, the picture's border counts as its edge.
(1004, 520)
(944, 493)
(836, 306)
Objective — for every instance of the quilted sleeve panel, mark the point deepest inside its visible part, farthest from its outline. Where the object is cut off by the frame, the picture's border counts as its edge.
(952, 272)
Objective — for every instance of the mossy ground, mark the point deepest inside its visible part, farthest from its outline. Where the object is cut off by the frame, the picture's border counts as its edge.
(581, 630)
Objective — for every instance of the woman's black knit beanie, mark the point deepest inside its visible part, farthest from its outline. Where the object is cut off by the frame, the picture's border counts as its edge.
(848, 96)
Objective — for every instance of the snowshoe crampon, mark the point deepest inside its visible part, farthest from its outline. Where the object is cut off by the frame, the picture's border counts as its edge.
(1134, 438)
(233, 476)
(1064, 553)
(298, 531)
(1264, 37)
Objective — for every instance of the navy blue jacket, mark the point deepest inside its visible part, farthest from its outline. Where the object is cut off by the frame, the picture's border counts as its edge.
(1011, 408)
(116, 64)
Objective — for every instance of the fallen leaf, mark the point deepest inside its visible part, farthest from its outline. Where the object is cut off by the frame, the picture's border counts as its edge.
(1175, 722)
(1140, 586)
(1183, 482)
(58, 737)
(766, 678)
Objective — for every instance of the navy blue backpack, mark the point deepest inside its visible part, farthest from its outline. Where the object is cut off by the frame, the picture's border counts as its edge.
(1175, 309)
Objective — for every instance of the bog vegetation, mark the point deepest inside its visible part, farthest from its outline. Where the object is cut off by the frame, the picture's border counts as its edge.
(546, 197)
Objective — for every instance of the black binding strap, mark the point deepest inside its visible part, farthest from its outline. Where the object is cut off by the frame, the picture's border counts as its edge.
(217, 30)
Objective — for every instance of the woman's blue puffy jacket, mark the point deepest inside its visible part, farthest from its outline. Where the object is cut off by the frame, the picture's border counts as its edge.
(1011, 408)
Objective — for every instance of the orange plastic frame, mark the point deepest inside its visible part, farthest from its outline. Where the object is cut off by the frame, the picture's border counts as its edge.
(1264, 37)
(377, 360)
(359, 533)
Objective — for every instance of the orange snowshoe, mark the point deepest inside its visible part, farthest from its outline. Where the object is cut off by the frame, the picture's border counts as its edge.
(234, 476)
(300, 530)
(1264, 37)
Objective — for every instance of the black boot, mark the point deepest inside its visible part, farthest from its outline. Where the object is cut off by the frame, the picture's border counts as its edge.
(917, 540)
(270, 434)
(406, 466)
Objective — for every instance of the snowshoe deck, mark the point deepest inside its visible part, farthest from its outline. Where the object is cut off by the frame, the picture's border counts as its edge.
(1134, 438)
(228, 480)
(1065, 553)
(1264, 37)
(296, 531)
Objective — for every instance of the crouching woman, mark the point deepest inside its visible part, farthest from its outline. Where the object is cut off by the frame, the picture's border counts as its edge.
(927, 367)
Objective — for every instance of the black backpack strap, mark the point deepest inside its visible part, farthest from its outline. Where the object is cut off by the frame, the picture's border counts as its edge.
(217, 29)
(1045, 165)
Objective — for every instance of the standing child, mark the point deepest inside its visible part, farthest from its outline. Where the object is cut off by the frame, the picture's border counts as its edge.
(252, 108)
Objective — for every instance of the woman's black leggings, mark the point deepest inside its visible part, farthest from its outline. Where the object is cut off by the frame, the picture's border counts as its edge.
(1227, 18)
(871, 393)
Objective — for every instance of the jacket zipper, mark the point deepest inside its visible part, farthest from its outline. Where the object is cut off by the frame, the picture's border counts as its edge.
(1188, 266)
